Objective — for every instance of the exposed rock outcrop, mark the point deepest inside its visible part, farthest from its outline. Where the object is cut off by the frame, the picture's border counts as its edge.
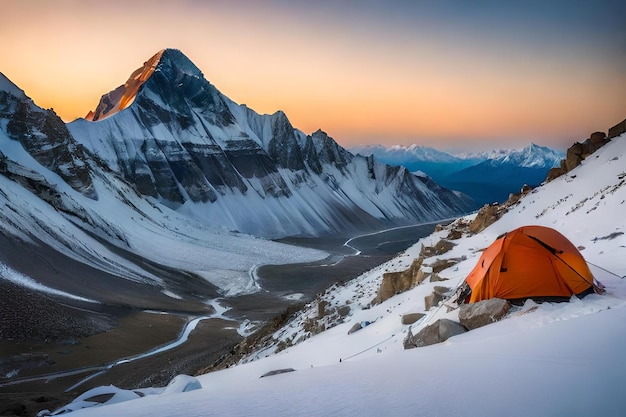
(580, 151)
(617, 130)
(397, 282)
(490, 213)
(46, 138)
(486, 216)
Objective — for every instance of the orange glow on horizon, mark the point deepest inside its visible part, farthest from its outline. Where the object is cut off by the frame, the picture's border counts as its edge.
(396, 87)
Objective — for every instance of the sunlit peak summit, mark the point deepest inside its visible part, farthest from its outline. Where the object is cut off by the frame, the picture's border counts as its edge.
(124, 95)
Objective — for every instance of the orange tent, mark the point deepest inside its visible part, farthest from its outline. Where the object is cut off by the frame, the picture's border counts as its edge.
(530, 262)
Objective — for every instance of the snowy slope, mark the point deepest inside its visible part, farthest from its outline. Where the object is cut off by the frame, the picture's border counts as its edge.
(548, 359)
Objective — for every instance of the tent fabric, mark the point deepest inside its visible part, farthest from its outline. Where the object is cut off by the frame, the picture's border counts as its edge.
(529, 262)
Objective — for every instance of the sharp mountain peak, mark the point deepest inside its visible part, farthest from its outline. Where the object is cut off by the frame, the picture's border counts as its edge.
(170, 61)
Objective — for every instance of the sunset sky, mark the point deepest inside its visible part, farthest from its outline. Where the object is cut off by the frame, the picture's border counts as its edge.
(449, 73)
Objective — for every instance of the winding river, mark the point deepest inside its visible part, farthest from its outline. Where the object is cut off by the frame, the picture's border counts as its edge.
(284, 285)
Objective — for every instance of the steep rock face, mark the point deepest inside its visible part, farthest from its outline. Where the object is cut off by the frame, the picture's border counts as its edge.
(184, 143)
(326, 151)
(123, 96)
(46, 138)
(617, 130)
(283, 147)
(578, 152)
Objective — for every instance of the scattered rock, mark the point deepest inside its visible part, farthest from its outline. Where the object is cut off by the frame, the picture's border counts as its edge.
(475, 315)
(443, 246)
(432, 300)
(343, 310)
(441, 264)
(438, 332)
(435, 297)
(610, 236)
(455, 234)
(321, 308)
(437, 278)
(411, 318)
(277, 371)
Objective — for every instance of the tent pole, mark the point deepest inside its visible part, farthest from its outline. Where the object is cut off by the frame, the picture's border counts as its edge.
(599, 288)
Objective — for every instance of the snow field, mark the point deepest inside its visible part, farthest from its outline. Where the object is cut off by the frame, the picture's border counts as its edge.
(543, 359)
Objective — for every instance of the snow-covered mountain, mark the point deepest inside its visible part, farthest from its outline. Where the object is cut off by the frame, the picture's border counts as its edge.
(505, 172)
(531, 156)
(70, 226)
(485, 176)
(401, 155)
(173, 135)
(541, 359)
(435, 163)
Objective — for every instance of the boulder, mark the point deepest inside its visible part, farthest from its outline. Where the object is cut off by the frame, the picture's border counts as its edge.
(441, 290)
(411, 318)
(343, 311)
(485, 312)
(359, 326)
(355, 328)
(443, 246)
(438, 332)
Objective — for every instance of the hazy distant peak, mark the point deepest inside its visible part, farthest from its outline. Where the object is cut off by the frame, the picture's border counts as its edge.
(399, 153)
(531, 156)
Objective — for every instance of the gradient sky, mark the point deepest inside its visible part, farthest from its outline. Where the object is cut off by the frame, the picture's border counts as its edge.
(447, 73)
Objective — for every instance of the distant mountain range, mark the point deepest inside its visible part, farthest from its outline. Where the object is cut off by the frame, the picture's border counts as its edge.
(485, 176)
